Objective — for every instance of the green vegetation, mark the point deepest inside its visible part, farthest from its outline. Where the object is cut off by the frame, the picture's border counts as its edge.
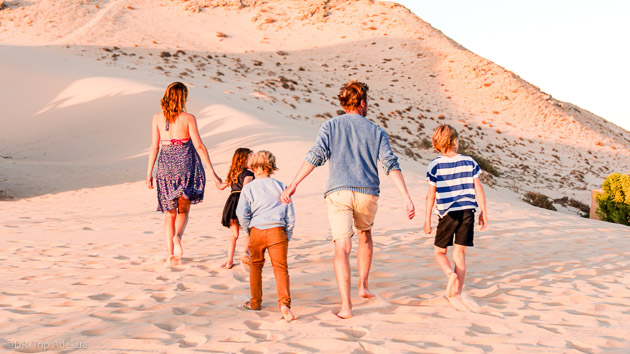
(614, 203)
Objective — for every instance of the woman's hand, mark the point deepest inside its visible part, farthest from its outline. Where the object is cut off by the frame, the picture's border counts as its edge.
(149, 182)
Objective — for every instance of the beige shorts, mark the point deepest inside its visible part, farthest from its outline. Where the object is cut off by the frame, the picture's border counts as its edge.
(344, 207)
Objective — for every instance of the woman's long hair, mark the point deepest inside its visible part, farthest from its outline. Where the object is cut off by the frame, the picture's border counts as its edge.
(239, 163)
(174, 101)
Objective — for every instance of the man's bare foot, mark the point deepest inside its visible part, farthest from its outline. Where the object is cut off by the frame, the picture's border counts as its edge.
(452, 286)
(344, 314)
(366, 293)
(287, 314)
(178, 251)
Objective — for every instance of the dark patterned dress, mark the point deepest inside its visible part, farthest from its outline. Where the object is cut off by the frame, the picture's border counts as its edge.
(179, 173)
(229, 210)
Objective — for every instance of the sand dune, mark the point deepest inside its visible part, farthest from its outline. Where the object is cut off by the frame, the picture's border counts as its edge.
(81, 246)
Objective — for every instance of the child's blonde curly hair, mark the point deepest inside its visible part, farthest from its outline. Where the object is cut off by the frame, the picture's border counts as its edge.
(263, 161)
(444, 137)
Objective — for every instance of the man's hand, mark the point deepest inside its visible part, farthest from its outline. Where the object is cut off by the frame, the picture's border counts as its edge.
(285, 197)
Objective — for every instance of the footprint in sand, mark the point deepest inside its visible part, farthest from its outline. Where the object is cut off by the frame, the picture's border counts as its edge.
(98, 332)
(265, 335)
(161, 297)
(101, 297)
(253, 324)
(108, 317)
(183, 343)
(355, 331)
(184, 310)
(476, 329)
(170, 327)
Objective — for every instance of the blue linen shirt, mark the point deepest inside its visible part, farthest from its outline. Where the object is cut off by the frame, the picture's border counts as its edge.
(353, 145)
(259, 206)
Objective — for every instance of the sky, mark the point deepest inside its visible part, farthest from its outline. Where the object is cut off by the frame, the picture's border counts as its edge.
(578, 51)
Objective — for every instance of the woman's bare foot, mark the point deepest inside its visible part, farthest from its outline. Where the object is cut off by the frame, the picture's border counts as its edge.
(287, 314)
(452, 286)
(178, 251)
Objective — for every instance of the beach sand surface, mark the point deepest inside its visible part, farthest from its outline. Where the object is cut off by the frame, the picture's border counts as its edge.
(81, 245)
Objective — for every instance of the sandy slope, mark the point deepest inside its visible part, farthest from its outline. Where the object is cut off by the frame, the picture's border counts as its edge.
(82, 247)
(296, 53)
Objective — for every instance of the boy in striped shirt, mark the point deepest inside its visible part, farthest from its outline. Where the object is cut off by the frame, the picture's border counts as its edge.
(454, 184)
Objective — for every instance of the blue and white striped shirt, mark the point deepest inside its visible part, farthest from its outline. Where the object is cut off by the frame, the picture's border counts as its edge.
(453, 178)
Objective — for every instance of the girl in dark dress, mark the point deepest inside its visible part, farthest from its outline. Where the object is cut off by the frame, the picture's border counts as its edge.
(180, 176)
(237, 177)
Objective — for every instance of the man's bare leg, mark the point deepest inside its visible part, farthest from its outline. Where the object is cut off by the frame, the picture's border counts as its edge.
(342, 273)
(364, 259)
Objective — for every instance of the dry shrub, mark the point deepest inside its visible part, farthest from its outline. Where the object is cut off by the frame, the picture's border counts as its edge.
(539, 200)
(484, 164)
(566, 201)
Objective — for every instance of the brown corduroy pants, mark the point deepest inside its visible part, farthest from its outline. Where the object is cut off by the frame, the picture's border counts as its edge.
(275, 241)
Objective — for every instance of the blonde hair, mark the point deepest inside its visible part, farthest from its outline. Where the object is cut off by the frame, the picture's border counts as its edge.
(444, 137)
(174, 101)
(264, 161)
(351, 95)
(239, 163)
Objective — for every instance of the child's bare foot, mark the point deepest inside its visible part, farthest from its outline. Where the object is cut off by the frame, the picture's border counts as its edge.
(457, 303)
(452, 286)
(170, 261)
(287, 314)
(344, 314)
(366, 293)
(227, 266)
(178, 251)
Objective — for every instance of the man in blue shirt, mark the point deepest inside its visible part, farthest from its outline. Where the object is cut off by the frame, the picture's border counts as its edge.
(353, 145)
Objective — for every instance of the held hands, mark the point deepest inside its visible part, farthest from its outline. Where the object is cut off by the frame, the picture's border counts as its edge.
(149, 182)
(483, 220)
(286, 195)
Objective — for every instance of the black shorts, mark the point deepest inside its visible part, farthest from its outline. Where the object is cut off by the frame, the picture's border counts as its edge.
(460, 223)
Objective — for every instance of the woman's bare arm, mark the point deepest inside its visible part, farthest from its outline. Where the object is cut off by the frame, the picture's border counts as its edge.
(200, 147)
(153, 151)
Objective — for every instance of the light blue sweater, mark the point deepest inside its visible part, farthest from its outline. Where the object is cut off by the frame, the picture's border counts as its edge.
(259, 206)
(353, 145)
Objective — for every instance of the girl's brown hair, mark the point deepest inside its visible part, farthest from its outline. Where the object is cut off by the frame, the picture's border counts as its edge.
(351, 95)
(239, 163)
(265, 161)
(444, 137)
(174, 101)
